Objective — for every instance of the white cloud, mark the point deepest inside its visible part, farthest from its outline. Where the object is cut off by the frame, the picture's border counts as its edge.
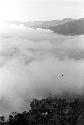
(32, 63)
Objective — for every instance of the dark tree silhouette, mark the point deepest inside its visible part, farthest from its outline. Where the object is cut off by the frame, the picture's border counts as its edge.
(49, 111)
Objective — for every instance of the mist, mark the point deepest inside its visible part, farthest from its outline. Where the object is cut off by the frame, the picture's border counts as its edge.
(35, 63)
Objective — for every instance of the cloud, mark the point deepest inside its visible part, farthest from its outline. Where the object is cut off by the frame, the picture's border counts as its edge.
(32, 63)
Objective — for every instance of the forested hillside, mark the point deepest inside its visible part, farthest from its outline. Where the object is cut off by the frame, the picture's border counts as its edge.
(49, 111)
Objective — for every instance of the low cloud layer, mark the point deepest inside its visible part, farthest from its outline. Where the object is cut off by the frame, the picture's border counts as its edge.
(35, 63)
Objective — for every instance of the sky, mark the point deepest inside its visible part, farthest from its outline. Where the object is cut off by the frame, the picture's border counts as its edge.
(23, 10)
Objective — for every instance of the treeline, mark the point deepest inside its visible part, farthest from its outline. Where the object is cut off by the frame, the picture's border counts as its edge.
(49, 111)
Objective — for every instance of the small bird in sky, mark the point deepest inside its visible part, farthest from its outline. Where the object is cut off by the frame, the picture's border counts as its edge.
(60, 75)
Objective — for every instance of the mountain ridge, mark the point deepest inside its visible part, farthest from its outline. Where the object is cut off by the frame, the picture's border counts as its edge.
(66, 26)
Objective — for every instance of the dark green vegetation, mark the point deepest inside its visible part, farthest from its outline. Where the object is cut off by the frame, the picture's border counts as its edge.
(49, 111)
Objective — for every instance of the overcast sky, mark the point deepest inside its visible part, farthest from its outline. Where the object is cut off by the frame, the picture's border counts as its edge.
(23, 10)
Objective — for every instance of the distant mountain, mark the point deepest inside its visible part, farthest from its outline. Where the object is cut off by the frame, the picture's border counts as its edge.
(41, 24)
(66, 26)
(75, 27)
(48, 24)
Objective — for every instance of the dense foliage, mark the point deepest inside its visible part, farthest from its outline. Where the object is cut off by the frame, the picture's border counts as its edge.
(49, 111)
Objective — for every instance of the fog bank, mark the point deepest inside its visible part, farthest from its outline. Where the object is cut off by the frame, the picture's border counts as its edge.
(35, 63)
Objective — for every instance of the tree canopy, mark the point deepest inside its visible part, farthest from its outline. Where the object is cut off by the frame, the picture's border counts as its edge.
(49, 111)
